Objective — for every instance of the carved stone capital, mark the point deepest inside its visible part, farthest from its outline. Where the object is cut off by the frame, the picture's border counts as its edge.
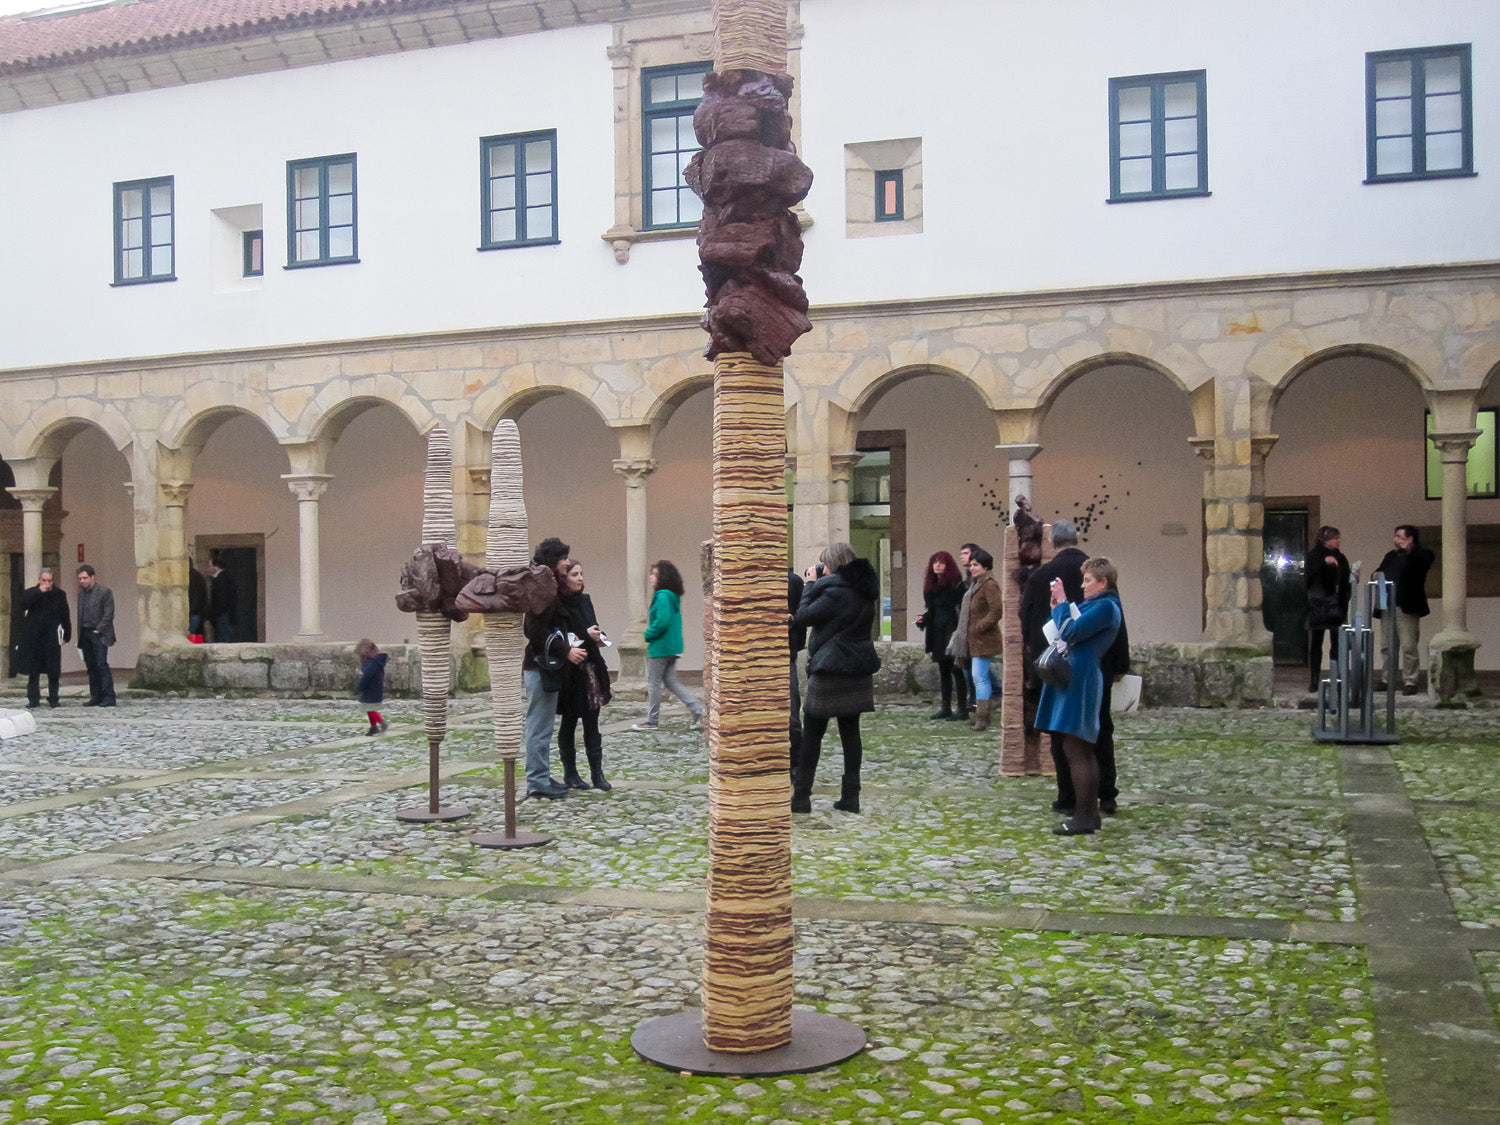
(841, 465)
(1203, 447)
(1454, 445)
(635, 470)
(620, 55)
(307, 487)
(1019, 451)
(174, 493)
(32, 499)
(1261, 444)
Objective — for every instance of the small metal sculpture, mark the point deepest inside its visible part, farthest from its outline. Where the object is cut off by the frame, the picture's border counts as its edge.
(1350, 684)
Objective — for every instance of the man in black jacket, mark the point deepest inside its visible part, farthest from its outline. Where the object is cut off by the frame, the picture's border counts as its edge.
(1114, 663)
(1036, 611)
(1407, 565)
(223, 602)
(44, 609)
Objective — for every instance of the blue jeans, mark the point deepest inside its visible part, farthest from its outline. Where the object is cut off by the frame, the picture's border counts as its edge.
(541, 718)
(980, 670)
(224, 633)
(96, 660)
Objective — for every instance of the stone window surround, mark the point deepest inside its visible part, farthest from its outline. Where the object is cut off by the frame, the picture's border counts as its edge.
(666, 41)
(862, 160)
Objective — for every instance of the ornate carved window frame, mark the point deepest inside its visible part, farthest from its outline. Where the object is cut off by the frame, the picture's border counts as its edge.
(639, 45)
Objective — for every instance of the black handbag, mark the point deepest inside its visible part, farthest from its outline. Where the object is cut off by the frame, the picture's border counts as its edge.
(1324, 611)
(1052, 666)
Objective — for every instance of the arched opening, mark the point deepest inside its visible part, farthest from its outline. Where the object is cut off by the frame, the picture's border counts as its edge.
(1349, 453)
(929, 479)
(370, 521)
(573, 492)
(241, 507)
(680, 506)
(1115, 459)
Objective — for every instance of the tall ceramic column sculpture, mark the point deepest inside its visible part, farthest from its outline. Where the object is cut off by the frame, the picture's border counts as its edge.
(505, 550)
(434, 630)
(750, 248)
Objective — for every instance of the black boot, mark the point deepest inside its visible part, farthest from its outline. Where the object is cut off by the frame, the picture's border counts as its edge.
(596, 770)
(946, 711)
(803, 777)
(849, 798)
(570, 770)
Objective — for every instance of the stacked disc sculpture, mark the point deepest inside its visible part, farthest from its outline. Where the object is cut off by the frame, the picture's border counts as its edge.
(750, 248)
(506, 553)
(434, 627)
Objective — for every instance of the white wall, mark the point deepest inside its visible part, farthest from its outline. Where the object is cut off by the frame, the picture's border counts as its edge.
(1010, 101)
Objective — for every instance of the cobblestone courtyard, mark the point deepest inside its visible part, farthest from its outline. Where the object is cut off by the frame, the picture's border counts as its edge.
(209, 914)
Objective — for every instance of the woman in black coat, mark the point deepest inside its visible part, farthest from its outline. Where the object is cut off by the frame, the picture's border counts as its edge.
(585, 685)
(838, 605)
(942, 591)
(45, 610)
(1328, 589)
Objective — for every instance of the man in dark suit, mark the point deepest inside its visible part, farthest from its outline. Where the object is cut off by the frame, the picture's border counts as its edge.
(1407, 564)
(1036, 611)
(223, 602)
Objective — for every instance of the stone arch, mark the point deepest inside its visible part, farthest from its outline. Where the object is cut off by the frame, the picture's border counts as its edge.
(326, 426)
(867, 390)
(1485, 359)
(203, 408)
(330, 410)
(1047, 399)
(47, 430)
(1385, 355)
(515, 403)
(668, 402)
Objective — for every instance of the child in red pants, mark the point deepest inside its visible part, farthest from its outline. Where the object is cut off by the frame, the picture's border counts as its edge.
(371, 687)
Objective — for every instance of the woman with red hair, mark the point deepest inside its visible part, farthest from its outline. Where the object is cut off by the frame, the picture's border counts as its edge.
(942, 591)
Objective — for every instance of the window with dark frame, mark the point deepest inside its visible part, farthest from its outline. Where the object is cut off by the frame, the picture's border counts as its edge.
(669, 95)
(518, 190)
(144, 231)
(254, 244)
(890, 196)
(1483, 468)
(321, 211)
(1419, 114)
(1158, 136)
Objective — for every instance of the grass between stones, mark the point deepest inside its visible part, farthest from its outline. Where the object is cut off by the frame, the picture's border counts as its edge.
(138, 998)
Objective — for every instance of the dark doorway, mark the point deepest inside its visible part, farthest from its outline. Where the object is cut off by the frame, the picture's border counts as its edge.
(877, 522)
(242, 556)
(1285, 537)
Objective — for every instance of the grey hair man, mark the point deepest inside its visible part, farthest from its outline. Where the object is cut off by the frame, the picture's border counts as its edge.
(1036, 611)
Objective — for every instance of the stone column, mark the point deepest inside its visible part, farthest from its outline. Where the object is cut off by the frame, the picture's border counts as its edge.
(632, 647)
(32, 500)
(1451, 652)
(308, 488)
(840, 477)
(1234, 512)
(1021, 484)
(162, 581)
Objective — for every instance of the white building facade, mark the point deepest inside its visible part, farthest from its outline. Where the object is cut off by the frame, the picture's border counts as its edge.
(1159, 267)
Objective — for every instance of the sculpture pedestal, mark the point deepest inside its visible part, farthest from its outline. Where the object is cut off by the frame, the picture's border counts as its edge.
(676, 1043)
(1450, 668)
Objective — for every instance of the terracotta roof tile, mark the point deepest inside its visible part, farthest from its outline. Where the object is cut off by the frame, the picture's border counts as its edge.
(41, 38)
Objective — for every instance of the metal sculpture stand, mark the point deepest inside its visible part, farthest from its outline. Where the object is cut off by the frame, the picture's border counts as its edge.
(504, 642)
(434, 633)
(1350, 686)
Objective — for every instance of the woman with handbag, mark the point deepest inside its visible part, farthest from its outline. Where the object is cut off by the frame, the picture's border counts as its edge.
(943, 591)
(983, 639)
(1073, 711)
(1327, 575)
(585, 685)
(838, 606)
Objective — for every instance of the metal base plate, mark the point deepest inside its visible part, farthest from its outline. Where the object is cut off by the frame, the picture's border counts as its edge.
(424, 816)
(818, 1041)
(522, 839)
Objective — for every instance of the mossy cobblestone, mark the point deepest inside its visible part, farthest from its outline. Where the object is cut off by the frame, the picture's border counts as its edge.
(209, 995)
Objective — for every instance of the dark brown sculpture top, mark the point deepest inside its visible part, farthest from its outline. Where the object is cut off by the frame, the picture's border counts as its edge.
(438, 580)
(749, 242)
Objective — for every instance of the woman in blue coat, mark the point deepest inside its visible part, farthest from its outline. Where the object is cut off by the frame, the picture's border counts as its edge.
(1073, 712)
